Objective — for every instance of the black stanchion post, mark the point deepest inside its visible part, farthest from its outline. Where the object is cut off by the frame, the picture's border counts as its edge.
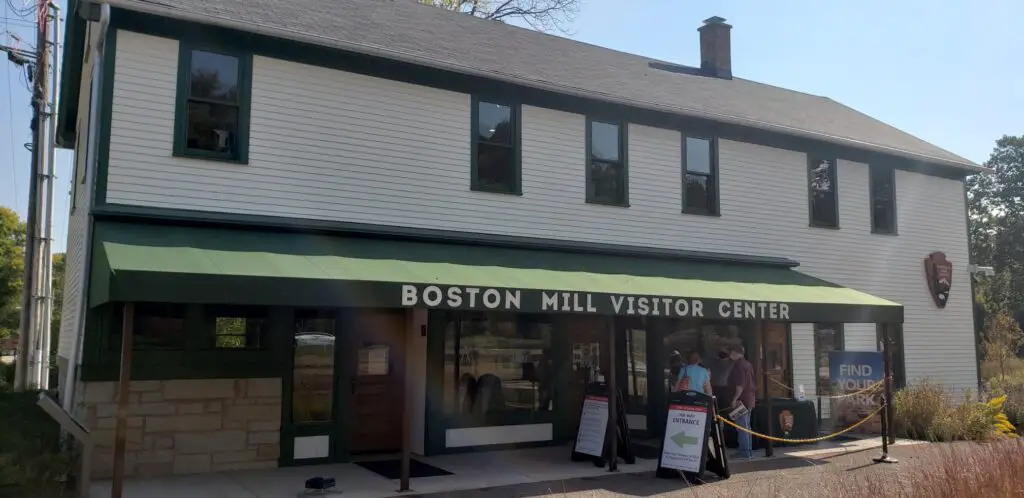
(818, 406)
(887, 413)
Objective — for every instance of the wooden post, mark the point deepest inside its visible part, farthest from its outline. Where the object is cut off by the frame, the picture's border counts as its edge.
(410, 330)
(613, 409)
(127, 329)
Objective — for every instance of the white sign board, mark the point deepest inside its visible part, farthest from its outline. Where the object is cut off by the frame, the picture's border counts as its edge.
(593, 425)
(684, 437)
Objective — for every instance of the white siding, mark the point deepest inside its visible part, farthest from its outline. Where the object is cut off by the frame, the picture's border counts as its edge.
(338, 146)
(74, 256)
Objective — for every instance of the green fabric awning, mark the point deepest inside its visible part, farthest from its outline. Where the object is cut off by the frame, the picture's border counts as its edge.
(150, 263)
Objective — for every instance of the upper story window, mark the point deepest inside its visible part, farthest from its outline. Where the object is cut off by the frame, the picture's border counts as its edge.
(883, 200)
(212, 114)
(823, 192)
(700, 175)
(495, 144)
(607, 171)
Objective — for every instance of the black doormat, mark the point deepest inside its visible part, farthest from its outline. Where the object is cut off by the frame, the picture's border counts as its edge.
(646, 448)
(392, 469)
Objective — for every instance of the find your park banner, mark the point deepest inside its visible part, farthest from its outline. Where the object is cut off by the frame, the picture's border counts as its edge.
(850, 372)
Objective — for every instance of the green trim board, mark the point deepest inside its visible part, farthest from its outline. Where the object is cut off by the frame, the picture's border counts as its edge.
(106, 109)
(321, 56)
(186, 50)
(71, 74)
(199, 265)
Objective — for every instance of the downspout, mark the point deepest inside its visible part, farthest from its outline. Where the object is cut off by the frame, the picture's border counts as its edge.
(90, 163)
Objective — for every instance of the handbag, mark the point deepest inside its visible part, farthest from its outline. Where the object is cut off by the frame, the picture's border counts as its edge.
(684, 383)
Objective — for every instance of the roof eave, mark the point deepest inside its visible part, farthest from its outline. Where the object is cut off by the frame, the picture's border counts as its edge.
(70, 76)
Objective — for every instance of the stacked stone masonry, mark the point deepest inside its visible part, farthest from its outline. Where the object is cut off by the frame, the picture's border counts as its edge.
(185, 426)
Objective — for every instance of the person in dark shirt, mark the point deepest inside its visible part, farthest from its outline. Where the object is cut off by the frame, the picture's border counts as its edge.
(742, 385)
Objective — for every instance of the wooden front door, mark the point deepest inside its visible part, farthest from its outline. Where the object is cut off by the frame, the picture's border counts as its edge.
(378, 381)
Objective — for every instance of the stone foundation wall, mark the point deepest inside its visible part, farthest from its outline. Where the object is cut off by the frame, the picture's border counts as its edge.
(185, 426)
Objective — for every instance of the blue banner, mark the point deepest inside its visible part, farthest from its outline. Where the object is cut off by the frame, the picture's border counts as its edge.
(850, 372)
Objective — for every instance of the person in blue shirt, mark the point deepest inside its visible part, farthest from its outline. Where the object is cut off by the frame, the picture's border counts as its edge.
(693, 376)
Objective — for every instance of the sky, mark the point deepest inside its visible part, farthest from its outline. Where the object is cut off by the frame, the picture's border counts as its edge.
(947, 72)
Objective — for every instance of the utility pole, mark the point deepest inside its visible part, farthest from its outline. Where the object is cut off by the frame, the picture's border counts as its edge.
(46, 283)
(28, 352)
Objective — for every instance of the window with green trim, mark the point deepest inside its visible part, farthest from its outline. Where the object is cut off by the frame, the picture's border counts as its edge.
(700, 175)
(823, 192)
(607, 171)
(495, 144)
(238, 327)
(158, 326)
(883, 199)
(212, 116)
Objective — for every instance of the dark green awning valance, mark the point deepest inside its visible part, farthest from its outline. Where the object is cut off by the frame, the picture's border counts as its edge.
(156, 263)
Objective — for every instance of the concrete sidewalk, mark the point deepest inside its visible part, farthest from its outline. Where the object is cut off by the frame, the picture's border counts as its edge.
(538, 470)
(828, 474)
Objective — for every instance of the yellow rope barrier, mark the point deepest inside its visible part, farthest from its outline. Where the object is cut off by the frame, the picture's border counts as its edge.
(870, 388)
(812, 440)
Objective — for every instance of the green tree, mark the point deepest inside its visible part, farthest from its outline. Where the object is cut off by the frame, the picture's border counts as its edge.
(541, 15)
(1003, 338)
(12, 264)
(996, 207)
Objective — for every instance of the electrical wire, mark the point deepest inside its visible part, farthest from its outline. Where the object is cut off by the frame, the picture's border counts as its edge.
(25, 11)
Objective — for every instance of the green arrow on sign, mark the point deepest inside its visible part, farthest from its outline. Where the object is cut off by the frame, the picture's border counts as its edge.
(682, 439)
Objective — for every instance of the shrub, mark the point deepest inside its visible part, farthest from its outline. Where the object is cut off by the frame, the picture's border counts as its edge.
(6, 375)
(1013, 389)
(916, 408)
(31, 457)
(925, 411)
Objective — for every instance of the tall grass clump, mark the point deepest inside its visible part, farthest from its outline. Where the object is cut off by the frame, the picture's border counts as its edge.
(926, 411)
(992, 470)
(32, 461)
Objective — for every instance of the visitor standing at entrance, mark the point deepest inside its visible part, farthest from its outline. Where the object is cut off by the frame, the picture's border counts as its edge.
(721, 367)
(741, 381)
(693, 376)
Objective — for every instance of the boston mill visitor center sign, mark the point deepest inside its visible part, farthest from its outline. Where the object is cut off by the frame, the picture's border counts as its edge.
(476, 298)
(453, 297)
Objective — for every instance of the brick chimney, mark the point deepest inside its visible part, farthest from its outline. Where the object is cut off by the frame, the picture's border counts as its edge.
(715, 48)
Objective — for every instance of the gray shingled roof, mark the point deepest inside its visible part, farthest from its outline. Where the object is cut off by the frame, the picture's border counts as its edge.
(409, 31)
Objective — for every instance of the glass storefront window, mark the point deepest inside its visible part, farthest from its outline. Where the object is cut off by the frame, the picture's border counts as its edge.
(636, 368)
(313, 370)
(827, 337)
(707, 338)
(495, 363)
